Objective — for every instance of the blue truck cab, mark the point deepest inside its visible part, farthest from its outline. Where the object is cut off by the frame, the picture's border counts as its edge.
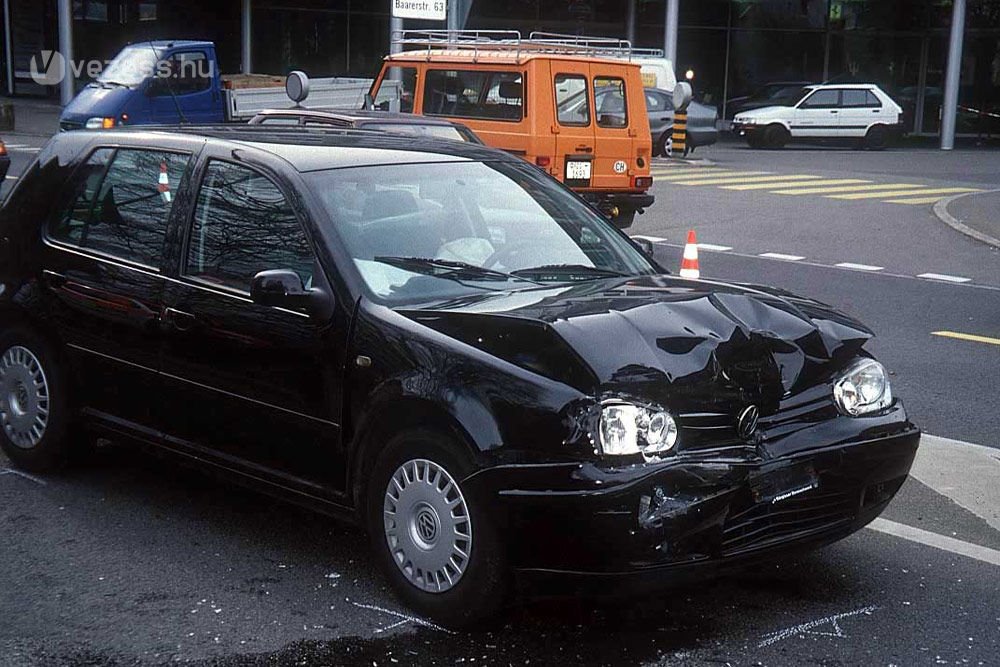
(152, 83)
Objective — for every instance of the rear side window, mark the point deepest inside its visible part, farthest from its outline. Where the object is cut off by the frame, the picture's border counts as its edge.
(854, 99)
(474, 94)
(572, 101)
(822, 99)
(244, 225)
(609, 96)
(120, 204)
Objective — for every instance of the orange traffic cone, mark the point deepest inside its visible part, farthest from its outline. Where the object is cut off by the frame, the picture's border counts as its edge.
(689, 265)
(163, 184)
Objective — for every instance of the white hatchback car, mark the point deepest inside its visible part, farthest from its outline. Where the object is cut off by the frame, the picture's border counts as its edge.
(861, 113)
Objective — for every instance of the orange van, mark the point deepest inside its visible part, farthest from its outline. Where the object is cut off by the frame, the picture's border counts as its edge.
(556, 103)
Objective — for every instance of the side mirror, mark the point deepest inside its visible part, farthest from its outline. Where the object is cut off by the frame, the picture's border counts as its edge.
(646, 245)
(283, 288)
(369, 102)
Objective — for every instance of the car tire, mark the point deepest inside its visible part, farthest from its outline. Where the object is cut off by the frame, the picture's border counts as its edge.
(775, 136)
(624, 219)
(34, 403)
(663, 143)
(754, 141)
(407, 517)
(877, 138)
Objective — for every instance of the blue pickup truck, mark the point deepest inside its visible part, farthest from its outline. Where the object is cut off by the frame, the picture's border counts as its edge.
(166, 82)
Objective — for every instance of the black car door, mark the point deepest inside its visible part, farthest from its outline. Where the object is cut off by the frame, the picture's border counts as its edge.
(102, 275)
(256, 388)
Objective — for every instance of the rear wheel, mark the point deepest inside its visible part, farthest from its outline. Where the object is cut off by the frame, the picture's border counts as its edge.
(775, 136)
(437, 546)
(624, 219)
(877, 138)
(34, 409)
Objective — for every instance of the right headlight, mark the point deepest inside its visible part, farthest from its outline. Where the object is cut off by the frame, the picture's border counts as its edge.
(628, 429)
(863, 388)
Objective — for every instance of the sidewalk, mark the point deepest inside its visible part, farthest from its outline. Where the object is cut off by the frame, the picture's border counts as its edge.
(976, 215)
(33, 117)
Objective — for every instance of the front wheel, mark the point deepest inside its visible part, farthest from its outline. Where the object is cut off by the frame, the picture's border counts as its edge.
(34, 410)
(775, 136)
(437, 546)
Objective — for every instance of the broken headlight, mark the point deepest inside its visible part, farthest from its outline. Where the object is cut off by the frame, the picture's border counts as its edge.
(863, 388)
(628, 429)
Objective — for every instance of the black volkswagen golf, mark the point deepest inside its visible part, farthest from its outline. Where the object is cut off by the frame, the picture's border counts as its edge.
(436, 341)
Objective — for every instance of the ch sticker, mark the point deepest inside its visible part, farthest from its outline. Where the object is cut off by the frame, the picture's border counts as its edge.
(621, 167)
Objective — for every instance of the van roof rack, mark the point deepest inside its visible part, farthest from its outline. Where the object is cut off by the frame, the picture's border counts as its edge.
(510, 41)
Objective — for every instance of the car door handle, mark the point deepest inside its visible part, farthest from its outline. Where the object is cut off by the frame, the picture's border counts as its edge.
(834, 111)
(584, 149)
(179, 320)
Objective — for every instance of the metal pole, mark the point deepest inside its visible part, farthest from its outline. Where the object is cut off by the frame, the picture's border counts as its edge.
(670, 32)
(953, 76)
(247, 30)
(918, 112)
(67, 87)
(630, 22)
(8, 45)
(395, 26)
(453, 16)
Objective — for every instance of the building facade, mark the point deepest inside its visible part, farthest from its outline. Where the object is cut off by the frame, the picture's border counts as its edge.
(731, 47)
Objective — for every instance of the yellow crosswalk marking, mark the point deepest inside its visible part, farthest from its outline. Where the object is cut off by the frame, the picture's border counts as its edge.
(847, 185)
(969, 337)
(918, 200)
(674, 176)
(901, 193)
(774, 180)
(793, 180)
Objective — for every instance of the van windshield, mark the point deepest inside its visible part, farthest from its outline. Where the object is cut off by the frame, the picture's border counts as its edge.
(132, 66)
(425, 232)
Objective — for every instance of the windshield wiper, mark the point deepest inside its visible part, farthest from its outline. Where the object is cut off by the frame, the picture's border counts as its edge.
(446, 268)
(581, 271)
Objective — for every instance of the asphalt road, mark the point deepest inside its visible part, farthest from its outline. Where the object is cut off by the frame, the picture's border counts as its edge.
(132, 560)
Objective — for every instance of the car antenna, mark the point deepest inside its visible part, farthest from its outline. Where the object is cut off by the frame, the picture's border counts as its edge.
(170, 88)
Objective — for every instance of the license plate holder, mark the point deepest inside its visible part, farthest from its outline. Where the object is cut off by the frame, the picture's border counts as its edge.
(578, 172)
(777, 485)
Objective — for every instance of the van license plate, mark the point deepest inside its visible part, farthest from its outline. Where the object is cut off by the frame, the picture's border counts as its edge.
(577, 170)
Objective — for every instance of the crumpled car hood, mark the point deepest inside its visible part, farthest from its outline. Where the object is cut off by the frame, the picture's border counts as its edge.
(661, 337)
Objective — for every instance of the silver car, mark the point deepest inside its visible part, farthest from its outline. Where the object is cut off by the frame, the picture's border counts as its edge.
(702, 125)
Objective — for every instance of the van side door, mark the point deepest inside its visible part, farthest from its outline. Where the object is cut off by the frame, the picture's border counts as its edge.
(615, 144)
(574, 123)
(254, 388)
(103, 276)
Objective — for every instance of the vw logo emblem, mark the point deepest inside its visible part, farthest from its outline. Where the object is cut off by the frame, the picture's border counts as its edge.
(747, 422)
(427, 526)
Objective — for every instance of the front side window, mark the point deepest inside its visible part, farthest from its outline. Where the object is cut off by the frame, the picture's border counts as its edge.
(184, 73)
(654, 102)
(244, 225)
(407, 77)
(121, 203)
(572, 101)
(822, 99)
(422, 232)
(474, 94)
(609, 96)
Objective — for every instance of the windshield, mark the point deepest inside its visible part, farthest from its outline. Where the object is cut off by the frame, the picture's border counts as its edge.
(415, 129)
(428, 232)
(132, 66)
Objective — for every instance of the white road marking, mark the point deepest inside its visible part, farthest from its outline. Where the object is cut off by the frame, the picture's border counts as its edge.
(859, 267)
(405, 618)
(927, 538)
(18, 473)
(778, 255)
(651, 239)
(13, 178)
(946, 278)
(713, 247)
(805, 628)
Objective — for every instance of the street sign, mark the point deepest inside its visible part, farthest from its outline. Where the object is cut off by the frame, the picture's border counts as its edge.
(429, 10)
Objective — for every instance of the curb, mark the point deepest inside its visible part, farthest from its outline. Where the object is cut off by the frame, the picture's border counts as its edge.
(941, 211)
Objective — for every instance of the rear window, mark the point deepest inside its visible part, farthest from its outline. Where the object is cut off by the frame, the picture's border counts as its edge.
(609, 96)
(120, 204)
(474, 94)
(417, 130)
(572, 101)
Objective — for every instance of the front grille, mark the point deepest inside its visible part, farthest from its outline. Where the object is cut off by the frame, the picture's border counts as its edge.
(764, 523)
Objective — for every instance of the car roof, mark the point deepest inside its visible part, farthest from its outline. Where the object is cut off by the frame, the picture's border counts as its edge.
(856, 86)
(359, 114)
(311, 149)
(500, 57)
(166, 44)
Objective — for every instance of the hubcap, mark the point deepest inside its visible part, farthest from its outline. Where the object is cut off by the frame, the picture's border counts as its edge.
(24, 397)
(427, 525)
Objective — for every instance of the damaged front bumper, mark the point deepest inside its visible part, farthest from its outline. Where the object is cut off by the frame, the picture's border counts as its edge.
(699, 511)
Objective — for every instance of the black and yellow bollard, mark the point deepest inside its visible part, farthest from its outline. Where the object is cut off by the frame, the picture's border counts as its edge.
(678, 147)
